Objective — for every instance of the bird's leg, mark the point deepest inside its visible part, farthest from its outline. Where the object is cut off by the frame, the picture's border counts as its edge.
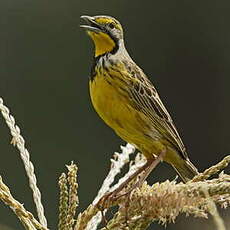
(112, 195)
(126, 207)
(104, 220)
(148, 170)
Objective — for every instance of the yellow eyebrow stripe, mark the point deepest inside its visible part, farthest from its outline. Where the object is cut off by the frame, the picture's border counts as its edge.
(107, 21)
(104, 20)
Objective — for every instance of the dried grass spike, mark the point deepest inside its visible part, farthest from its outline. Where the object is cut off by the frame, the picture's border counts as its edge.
(212, 170)
(73, 197)
(63, 202)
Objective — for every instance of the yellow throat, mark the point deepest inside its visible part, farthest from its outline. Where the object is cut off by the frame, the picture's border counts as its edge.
(103, 42)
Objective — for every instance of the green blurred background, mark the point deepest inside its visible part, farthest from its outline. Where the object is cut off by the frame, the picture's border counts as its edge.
(184, 47)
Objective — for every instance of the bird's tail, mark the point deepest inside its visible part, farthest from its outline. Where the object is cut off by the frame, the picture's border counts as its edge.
(185, 169)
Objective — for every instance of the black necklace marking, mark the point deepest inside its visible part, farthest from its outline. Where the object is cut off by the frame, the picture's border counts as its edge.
(103, 56)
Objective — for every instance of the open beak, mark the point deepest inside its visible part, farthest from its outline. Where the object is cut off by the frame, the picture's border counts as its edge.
(91, 24)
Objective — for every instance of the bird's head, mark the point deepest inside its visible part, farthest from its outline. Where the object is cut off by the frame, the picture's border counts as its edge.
(106, 33)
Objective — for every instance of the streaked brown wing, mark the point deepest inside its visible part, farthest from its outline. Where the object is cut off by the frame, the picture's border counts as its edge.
(145, 98)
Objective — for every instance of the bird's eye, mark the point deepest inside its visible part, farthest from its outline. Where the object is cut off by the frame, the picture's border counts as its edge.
(111, 25)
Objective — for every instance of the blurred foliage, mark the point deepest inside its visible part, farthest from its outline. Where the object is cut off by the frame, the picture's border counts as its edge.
(4, 227)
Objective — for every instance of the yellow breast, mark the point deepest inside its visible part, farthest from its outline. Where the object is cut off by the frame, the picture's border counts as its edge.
(114, 108)
(108, 103)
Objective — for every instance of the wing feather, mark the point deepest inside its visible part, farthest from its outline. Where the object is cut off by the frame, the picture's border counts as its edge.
(145, 98)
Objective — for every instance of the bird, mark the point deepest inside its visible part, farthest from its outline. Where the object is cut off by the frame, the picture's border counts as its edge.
(127, 101)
